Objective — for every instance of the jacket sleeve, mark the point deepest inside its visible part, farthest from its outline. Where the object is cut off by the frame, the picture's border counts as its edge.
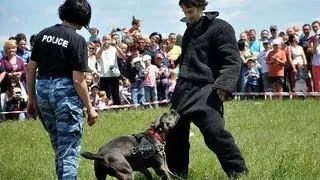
(229, 60)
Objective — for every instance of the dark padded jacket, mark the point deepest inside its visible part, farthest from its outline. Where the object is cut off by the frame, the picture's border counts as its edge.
(210, 53)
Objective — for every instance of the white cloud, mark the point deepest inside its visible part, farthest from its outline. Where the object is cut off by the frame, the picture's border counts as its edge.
(234, 15)
(316, 19)
(48, 11)
(14, 19)
(227, 3)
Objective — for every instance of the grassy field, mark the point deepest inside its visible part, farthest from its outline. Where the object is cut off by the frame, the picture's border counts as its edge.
(279, 139)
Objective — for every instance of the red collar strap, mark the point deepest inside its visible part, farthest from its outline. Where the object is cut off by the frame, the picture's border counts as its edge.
(158, 136)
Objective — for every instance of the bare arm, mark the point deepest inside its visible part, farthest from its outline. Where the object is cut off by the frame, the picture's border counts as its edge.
(31, 79)
(304, 57)
(98, 55)
(289, 58)
(81, 87)
(2, 75)
(314, 46)
(120, 53)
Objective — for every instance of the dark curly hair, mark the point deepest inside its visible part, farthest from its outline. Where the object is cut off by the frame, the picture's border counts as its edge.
(76, 12)
(135, 21)
(193, 3)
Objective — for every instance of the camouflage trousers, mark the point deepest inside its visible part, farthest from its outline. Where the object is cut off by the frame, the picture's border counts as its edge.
(62, 112)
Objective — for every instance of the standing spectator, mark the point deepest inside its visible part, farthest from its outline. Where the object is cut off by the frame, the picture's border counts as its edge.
(316, 57)
(245, 54)
(172, 82)
(297, 55)
(163, 49)
(174, 51)
(12, 64)
(2, 75)
(162, 78)
(276, 60)
(61, 88)
(32, 40)
(22, 50)
(254, 43)
(264, 35)
(93, 65)
(264, 66)
(144, 47)
(252, 75)
(202, 86)
(155, 39)
(305, 41)
(108, 59)
(136, 79)
(244, 36)
(274, 33)
(150, 83)
(94, 32)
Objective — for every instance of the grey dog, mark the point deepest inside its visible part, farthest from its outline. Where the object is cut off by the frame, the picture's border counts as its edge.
(138, 152)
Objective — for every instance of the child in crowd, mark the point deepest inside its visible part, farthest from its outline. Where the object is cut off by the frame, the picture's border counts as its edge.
(163, 78)
(252, 74)
(150, 84)
(300, 78)
(103, 99)
(172, 82)
(94, 97)
(137, 78)
(94, 35)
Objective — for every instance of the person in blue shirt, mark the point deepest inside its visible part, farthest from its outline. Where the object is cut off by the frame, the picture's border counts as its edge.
(22, 50)
(253, 76)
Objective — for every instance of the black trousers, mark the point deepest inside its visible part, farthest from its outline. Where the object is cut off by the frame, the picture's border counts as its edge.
(111, 86)
(199, 103)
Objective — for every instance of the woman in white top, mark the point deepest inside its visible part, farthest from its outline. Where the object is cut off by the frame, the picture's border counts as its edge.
(93, 65)
(297, 53)
(297, 56)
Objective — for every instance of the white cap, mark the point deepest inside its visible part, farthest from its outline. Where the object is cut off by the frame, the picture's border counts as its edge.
(146, 58)
(277, 41)
(136, 59)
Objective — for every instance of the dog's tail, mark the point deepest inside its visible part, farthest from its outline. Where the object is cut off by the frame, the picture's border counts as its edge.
(92, 156)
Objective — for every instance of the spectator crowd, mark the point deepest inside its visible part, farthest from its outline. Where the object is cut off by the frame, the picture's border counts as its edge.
(127, 66)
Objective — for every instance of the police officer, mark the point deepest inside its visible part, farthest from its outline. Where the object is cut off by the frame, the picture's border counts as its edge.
(209, 71)
(60, 54)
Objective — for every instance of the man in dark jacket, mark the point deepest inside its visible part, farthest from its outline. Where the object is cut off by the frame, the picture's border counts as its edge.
(209, 71)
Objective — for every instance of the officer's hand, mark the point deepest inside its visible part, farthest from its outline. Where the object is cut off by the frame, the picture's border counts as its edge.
(32, 109)
(223, 95)
(92, 116)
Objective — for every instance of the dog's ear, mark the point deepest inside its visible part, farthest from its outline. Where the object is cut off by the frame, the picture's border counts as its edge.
(156, 123)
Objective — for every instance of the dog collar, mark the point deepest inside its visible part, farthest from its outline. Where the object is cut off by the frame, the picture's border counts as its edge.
(158, 136)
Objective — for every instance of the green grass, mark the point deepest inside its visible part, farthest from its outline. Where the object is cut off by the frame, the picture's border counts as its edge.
(279, 140)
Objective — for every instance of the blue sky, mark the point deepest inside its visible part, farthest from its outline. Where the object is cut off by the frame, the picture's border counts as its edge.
(157, 15)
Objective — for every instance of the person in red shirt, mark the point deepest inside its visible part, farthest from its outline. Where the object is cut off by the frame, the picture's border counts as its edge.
(276, 60)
